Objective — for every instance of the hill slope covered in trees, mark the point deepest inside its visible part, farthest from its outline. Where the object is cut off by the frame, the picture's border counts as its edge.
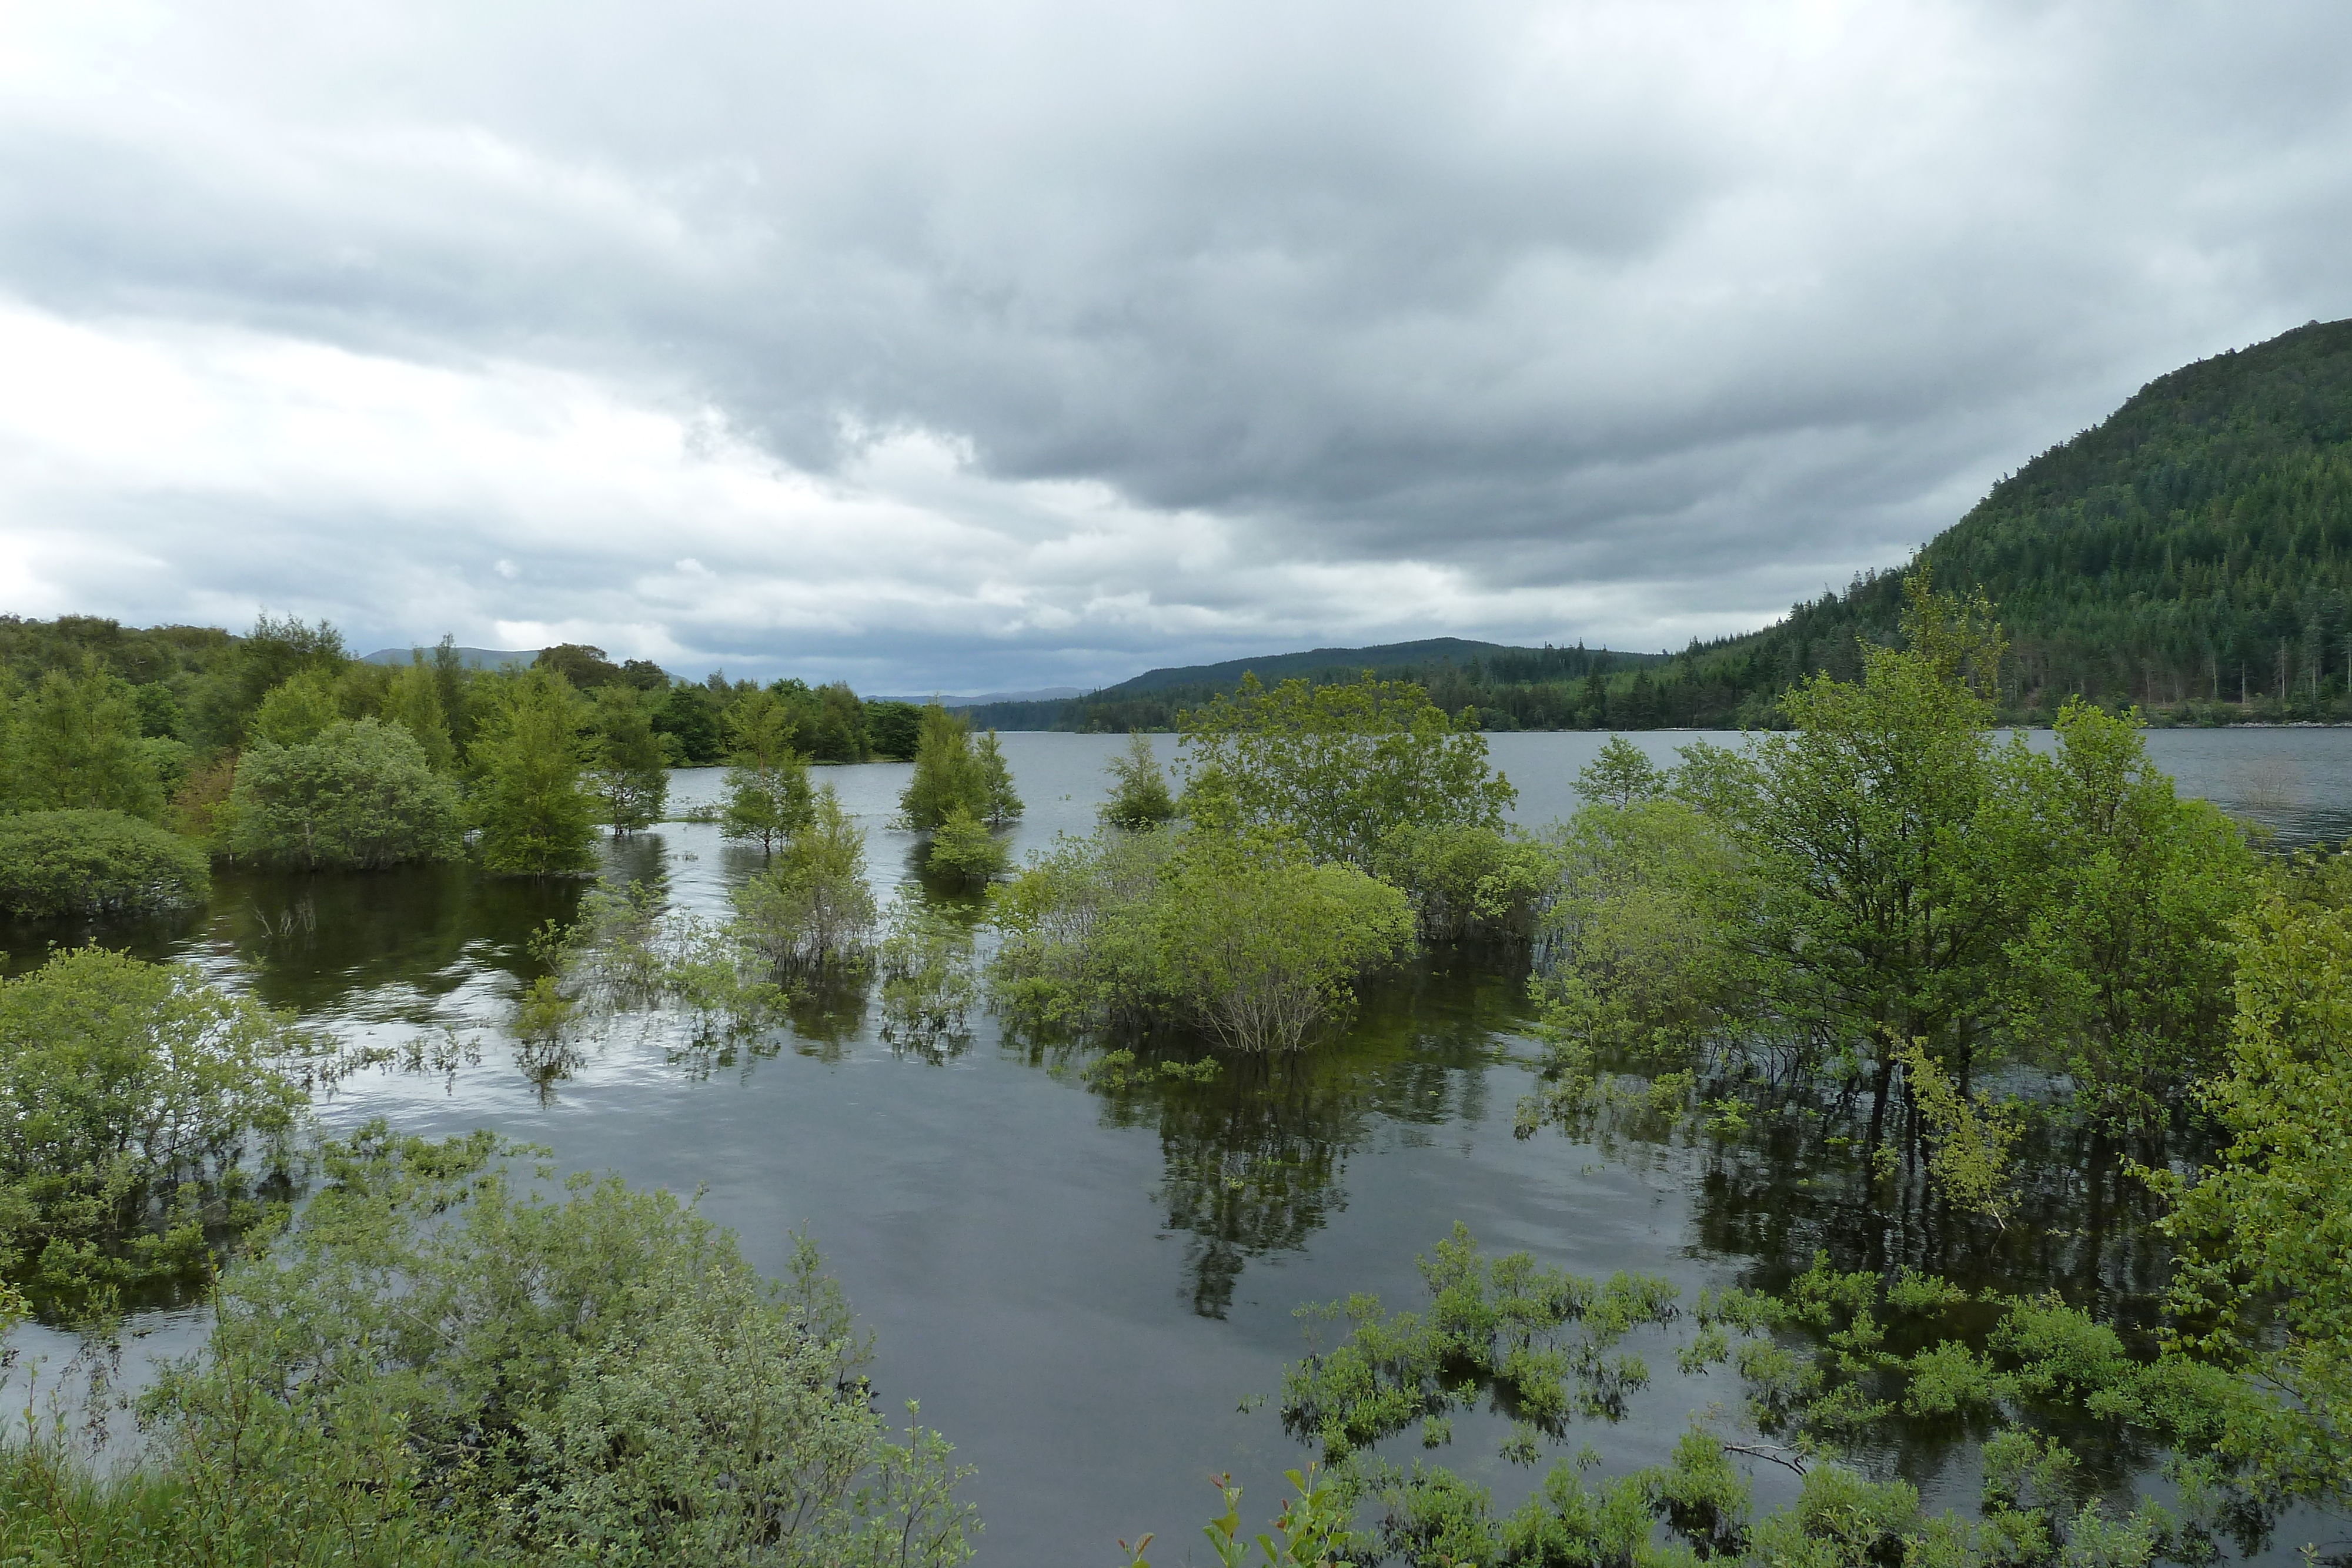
(2192, 554)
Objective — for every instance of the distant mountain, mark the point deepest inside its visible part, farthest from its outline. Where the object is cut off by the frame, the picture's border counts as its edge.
(475, 658)
(1152, 700)
(1042, 694)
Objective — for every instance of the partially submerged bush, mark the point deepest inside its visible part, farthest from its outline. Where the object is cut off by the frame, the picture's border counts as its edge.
(363, 795)
(1139, 798)
(1243, 939)
(132, 1096)
(436, 1369)
(811, 906)
(1468, 882)
(963, 850)
(95, 863)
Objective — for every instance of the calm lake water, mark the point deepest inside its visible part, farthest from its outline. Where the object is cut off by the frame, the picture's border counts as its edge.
(1085, 1288)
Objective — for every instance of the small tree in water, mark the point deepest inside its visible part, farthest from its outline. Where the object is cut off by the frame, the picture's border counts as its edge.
(630, 773)
(951, 776)
(811, 908)
(536, 819)
(1139, 800)
(996, 781)
(768, 784)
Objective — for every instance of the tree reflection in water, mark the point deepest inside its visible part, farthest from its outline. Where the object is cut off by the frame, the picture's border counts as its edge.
(1253, 1160)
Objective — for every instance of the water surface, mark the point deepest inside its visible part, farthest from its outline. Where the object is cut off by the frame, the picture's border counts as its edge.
(1084, 1285)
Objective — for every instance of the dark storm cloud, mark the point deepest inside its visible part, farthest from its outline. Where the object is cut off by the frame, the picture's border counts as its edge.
(1628, 322)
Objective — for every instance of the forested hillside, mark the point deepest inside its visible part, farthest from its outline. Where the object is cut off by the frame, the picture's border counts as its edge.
(2191, 554)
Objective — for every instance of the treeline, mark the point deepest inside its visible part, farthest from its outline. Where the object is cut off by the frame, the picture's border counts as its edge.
(133, 756)
(1513, 688)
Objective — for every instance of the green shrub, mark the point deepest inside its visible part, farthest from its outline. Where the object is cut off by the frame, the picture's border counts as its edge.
(433, 1370)
(95, 863)
(1243, 939)
(1139, 800)
(963, 850)
(811, 907)
(129, 1095)
(362, 795)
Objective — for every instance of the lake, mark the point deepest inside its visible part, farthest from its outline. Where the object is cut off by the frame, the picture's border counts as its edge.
(1086, 1286)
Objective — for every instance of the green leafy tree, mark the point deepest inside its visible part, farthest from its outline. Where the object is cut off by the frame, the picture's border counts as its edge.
(2260, 1283)
(1884, 856)
(949, 775)
(894, 729)
(689, 715)
(1467, 881)
(811, 907)
(74, 744)
(1621, 775)
(298, 710)
(766, 784)
(629, 771)
(1260, 945)
(132, 1095)
(55, 863)
(1339, 766)
(412, 702)
(536, 819)
(585, 667)
(963, 850)
(996, 780)
(2122, 973)
(1139, 798)
(363, 795)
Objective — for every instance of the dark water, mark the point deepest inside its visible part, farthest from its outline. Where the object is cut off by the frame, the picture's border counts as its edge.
(1084, 1285)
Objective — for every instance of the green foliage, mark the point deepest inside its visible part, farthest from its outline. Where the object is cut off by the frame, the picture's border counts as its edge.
(55, 863)
(536, 819)
(1467, 881)
(687, 720)
(1973, 1134)
(298, 711)
(1139, 800)
(413, 701)
(965, 851)
(433, 1368)
(996, 780)
(628, 769)
(1537, 1337)
(1622, 775)
(132, 1095)
(1246, 940)
(2121, 974)
(811, 907)
(73, 742)
(1259, 945)
(950, 774)
(1341, 766)
(2263, 1236)
(360, 795)
(1636, 961)
(894, 729)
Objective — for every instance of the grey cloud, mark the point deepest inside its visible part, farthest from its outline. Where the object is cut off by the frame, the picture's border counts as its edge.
(1688, 306)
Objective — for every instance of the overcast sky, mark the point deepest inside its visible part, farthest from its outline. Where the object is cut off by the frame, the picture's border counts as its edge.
(1001, 344)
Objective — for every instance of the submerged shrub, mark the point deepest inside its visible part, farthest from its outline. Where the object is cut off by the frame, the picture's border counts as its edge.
(963, 850)
(811, 906)
(1468, 880)
(131, 1097)
(1246, 939)
(363, 795)
(434, 1368)
(1139, 798)
(95, 863)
